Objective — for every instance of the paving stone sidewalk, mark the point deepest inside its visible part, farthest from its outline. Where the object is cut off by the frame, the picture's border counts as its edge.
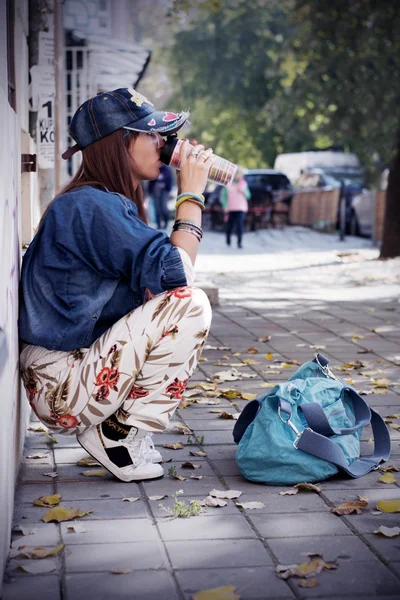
(173, 558)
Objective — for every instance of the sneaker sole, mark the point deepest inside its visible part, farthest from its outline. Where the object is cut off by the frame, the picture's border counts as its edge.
(111, 467)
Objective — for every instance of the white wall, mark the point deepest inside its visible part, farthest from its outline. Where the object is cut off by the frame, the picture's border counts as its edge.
(13, 128)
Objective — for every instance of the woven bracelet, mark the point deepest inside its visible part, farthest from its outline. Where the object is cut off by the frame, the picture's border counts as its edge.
(198, 197)
(190, 199)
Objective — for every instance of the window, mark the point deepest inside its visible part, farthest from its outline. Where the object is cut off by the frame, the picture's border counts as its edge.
(10, 9)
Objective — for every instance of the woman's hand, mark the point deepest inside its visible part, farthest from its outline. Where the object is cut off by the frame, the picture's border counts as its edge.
(194, 168)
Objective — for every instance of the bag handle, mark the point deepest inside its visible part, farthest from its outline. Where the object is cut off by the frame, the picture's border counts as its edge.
(322, 447)
(318, 421)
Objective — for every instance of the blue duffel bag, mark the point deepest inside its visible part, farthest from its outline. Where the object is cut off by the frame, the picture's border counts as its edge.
(308, 429)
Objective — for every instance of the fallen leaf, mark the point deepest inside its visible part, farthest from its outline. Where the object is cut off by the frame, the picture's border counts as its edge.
(252, 350)
(52, 474)
(225, 494)
(388, 531)
(347, 508)
(293, 362)
(208, 347)
(383, 382)
(60, 513)
(388, 506)
(184, 403)
(133, 499)
(394, 416)
(266, 338)
(216, 410)
(226, 592)
(52, 439)
(202, 359)
(121, 571)
(250, 505)
(213, 502)
(247, 396)
(269, 356)
(178, 477)
(226, 415)
(190, 465)
(183, 429)
(363, 498)
(39, 429)
(193, 392)
(356, 336)
(205, 401)
(95, 473)
(237, 354)
(389, 468)
(199, 453)
(177, 446)
(395, 426)
(158, 497)
(47, 500)
(88, 461)
(39, 552)
(388, 478)
(250, 361)
(317, 347)
(289, 493)
(267, 385)
(27, 530)
(76, 528)
(366, 351)
(193, 476)
(231, 394)
(306, 569)
(285, 365)
(302, 487)
(37, 456)
(36, 568)
(308, 583)
(166, 460)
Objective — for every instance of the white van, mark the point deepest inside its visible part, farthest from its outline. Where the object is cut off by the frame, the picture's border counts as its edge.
(340, 165)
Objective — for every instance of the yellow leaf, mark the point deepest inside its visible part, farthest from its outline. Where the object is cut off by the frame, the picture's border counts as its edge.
(88, 461)
(387, 478)
(60, 513)
(225, 592)
(95, 473)
(271, 372)
(237, 354)
(394, 416)
(267, 385)
(285, 365)
(250, 361)
(394, 425)
(42, 552)
(47, 500)
(308, 583)
(202, 359)
(246, 396)
(231, 394)
(269, 356)
(176, 446)
(388, 506)
(355, 336)
(380, 391)
(347, 508)
(383, 382)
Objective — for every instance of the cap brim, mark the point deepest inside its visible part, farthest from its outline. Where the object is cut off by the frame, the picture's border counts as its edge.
(71, 151)
(161, 122)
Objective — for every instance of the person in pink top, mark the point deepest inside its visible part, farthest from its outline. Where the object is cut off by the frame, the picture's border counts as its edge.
(234, 201)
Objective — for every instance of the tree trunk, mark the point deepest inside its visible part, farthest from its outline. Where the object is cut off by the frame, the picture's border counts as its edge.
(391, 231)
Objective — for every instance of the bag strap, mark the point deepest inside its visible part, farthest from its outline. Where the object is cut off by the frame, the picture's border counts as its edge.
(317, 419)
(322, 447)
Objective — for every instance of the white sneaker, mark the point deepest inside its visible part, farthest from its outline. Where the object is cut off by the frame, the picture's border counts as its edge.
(152, 453)
(121, 449)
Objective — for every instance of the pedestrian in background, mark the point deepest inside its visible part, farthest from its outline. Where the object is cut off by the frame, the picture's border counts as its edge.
(234, 201)
(158, 190)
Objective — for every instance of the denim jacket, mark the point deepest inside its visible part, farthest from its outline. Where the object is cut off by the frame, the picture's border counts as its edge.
(89, 265)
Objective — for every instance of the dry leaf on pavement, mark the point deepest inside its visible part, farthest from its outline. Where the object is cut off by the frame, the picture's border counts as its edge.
(213, 502)
(388, 531)
(252, 350)
(37, 456)
(225, 494)
(388, 506)
(95, 473)
(308, 583)
(250, 505)
(76, 528)
(47, 500)
(313, 567)
(266, 338)
(158, 497)
(246, 396)
(121, 571)
(37, 568)
(27, 530)
(52, 474)
(199, 453)
(193, 476)
(302, 487)
(225, 592)
(177, 446)
(88, 461)
(225, 415)
(60, 513)
(133, 499)
(183, 429)
(38, 552)
(347, 508)
(387, 478)
(209, 347)
(190, 465)
(389, 468)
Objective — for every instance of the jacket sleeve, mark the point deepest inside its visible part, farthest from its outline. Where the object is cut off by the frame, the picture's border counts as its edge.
(104, 231)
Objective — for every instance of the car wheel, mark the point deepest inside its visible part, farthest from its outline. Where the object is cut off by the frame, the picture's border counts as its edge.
(354, 229)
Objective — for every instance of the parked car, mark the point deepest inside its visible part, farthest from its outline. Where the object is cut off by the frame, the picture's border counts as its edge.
(268, 188)
(359, 200)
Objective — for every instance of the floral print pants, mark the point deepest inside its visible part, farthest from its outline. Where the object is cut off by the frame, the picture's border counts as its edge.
(138, 369)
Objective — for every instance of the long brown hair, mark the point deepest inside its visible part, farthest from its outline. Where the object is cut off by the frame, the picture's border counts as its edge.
(108, 162)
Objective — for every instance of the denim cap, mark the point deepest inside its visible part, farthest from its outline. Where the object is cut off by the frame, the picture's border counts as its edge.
(123, 108)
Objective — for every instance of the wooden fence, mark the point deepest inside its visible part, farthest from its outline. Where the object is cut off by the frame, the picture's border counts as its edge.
(314, 208)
